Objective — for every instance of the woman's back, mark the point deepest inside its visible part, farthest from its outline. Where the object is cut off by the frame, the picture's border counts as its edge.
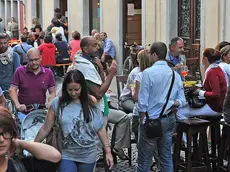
(75, 46)
(62, 49)
(216, 87)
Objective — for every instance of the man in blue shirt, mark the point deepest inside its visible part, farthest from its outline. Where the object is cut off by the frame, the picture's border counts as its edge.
(109, 50)
(22, 49)
(9, 62)
(176, 48)
(151, 99)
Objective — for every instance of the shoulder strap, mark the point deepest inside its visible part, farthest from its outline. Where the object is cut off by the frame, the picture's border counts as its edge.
(23, 48)
(168, 95)
(170, 90)
(18, 165)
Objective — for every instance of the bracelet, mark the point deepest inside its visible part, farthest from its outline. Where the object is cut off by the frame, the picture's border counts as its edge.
(106, 145)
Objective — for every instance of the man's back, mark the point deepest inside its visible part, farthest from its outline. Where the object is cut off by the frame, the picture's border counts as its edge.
(22, 49)
(155, 86)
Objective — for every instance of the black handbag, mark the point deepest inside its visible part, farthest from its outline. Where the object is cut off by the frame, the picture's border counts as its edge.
(194, 101)
(153, 126)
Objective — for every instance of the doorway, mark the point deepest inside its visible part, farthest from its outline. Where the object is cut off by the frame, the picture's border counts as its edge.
(132, 15)
(63, 7)
(189, 24)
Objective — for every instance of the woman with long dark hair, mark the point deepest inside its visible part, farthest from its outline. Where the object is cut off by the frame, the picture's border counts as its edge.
(80, 122)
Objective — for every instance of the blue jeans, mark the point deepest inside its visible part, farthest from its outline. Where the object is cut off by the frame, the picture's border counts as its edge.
(146, 147)
(71, 166)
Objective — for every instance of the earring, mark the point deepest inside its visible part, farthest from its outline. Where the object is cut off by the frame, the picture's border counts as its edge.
(6, 156)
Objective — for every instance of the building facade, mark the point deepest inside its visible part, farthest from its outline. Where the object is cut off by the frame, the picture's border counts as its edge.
(203, 22)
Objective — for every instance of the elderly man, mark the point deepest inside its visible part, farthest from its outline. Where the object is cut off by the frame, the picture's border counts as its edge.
(31, 39)
(157, 99)
(98, 86)
(9, 62)
(30, 84)
(109, 49)
(176, 48)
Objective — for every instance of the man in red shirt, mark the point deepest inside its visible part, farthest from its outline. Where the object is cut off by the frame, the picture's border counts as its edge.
(31, 82)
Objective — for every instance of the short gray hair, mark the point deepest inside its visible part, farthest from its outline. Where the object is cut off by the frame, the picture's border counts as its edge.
(174, 40)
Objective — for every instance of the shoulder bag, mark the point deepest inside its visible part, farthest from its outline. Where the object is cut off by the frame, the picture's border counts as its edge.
(18, 165)
(153, 126)
(54, 138)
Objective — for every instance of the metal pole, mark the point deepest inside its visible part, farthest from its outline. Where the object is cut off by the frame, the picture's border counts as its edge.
(6, 14)
(11, 8)
(19, 18)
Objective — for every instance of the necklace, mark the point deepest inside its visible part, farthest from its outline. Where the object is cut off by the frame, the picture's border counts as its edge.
(4, 165)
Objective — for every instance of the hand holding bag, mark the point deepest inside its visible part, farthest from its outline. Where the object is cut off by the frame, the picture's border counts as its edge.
(55, 136)
(153, 126)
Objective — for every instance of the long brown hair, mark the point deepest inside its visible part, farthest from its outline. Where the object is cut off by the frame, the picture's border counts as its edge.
(144, 56)
(7, 121)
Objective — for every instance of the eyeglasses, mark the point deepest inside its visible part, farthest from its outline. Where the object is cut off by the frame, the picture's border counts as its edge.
(35, 60)
(7, 134)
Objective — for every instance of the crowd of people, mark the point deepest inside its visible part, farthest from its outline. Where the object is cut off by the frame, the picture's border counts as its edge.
(154, 90)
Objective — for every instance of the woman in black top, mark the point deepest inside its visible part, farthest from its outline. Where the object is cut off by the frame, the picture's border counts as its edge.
(62, 56)
(44, 157)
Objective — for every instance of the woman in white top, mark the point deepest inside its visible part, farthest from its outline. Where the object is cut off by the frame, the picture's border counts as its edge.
(225, 60)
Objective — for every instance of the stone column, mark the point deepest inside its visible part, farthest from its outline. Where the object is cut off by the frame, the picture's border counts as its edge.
(226, 22)
(111, 23)
(6, 24)
(74, 16)
(156, 21)
(211, 23)
(47, 13)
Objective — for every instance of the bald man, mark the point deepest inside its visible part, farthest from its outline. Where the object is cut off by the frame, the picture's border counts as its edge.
(98, 86)
(32, 82)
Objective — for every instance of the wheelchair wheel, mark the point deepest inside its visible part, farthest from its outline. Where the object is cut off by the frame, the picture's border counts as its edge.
(127, 66)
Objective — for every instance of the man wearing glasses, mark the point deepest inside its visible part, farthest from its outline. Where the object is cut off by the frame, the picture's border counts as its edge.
(32, 82)
(9, 62)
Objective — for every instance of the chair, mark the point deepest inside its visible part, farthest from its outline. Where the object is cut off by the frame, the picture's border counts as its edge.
(192, 127)
(121, 81)
(215, 136)
(224, 143)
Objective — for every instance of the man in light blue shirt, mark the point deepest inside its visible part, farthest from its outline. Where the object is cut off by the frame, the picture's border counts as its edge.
(109, 49)
(151, 99)
(22, 49)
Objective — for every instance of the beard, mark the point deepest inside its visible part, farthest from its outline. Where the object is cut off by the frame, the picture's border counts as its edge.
(3, 50)
(92, 55)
